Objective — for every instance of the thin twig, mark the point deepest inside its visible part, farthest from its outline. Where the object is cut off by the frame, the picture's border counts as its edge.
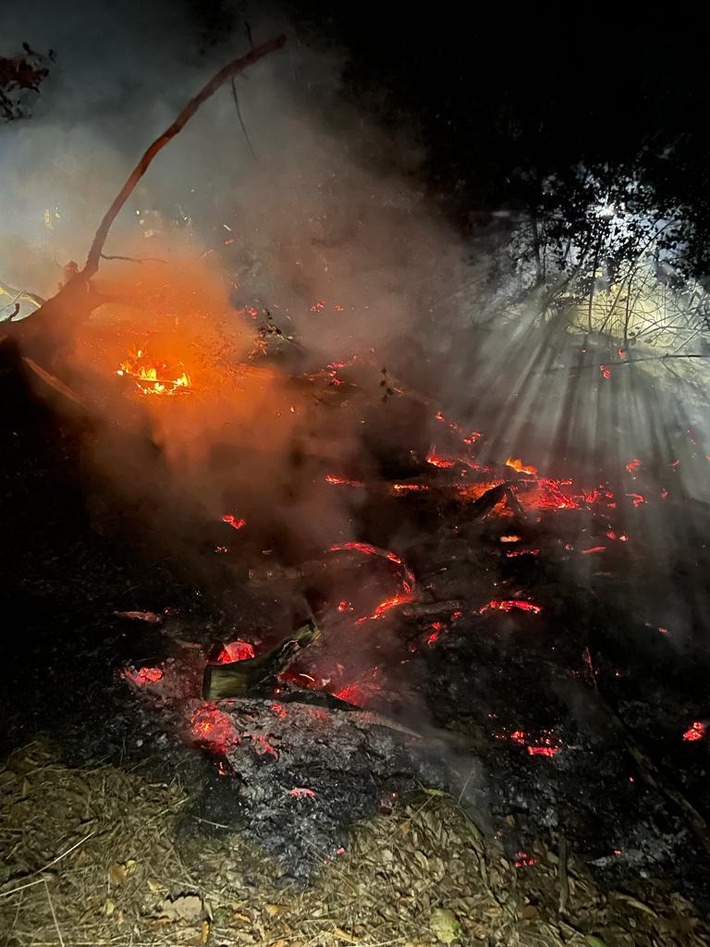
(132, 259)
(29, 884)
(241, 120)
(49, 865)
(21, 294)
(564, 877)
(54, 916)
(14, 924)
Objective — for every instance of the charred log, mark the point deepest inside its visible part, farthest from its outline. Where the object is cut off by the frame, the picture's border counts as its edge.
(254, 676)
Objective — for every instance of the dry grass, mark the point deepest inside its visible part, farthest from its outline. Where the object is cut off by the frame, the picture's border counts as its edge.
(89, 858)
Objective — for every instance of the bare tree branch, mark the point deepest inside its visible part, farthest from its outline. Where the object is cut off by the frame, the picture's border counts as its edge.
(241, 120)
(227, 72)
(21, 294)
(46, 329)
(132, 259)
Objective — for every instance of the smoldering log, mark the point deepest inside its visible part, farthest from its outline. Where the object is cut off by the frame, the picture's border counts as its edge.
(256, 675)
(298, 776)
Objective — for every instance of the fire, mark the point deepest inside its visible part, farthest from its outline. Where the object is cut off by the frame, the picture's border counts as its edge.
(233, 521)
(518, 465)
(436, 460)
(153, 378)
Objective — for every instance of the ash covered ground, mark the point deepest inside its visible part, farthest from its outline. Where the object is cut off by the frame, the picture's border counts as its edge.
(466, 646)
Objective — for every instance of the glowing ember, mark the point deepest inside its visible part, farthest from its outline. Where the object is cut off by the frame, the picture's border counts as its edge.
(523, 860)
(352, 694)
(409, 487)
(151, 617)
(633, 465)
(546, 745)
(369, 550)
(508, 604)
(342, 481)
(696, 731)
(233, 521)
(385, 607)
(586, 552)
(142, 676)
(553, 497)
(301, 792)
(606, 372)
(518, 465)
(153, 378)
(213, 728)
(436, 461)
(622, 537)
(235, 651)
(636, 498)
(510, 539)
(262, 745)
(543, 750)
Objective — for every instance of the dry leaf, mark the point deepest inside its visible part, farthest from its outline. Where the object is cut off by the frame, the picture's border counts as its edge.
(185, 907)
(154, 885)
(445, 925)
(119, 871)
(80, 857)
(109, 906)
(274, 909)
(343, 935)
(422, 859)
(205, 932)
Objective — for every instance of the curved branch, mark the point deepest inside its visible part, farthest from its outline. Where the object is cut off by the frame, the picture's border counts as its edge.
(227, 72)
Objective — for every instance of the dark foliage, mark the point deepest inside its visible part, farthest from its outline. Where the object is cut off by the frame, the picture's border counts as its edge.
(19, 75)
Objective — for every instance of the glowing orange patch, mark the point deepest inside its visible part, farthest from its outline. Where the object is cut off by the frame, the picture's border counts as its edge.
(518, 465)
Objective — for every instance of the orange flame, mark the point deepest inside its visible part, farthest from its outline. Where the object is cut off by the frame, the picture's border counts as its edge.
(518, 465)
(151, 379)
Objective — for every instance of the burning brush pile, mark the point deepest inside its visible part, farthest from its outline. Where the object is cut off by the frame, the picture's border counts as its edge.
(383, 606)
(389, 611)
